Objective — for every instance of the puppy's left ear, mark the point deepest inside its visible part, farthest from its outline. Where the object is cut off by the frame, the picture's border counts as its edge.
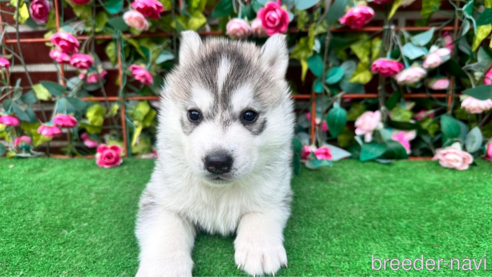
(190, 45)
(275, 54)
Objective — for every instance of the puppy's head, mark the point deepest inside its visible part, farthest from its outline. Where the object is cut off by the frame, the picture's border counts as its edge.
(226, 107)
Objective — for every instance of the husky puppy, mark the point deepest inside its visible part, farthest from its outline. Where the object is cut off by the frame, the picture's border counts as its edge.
(224, 144)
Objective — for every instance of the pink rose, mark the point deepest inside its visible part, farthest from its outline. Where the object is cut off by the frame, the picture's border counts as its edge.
(402, 138)
(439, 84)
(487, 79)
(357, 17)
(257, 28)
(386, 67)
(488, 152)
(60, 56)
(94, 77)
(108, 156)
(141, 74)
(149, 8)
(238, 28)
(305, 152)
(323, 153)
(324, 126)
(81, 61)
(39, 10)
(81, 2)
(22, 140)
(136, 20)
(473, 105)
(410, 76)
(273, 18)
(367, 123)
(9, 120)
(66, 42)
(49, 131)
(65, 121)
(88, 141)
(424, 114)
(448, 41)
(436, 58)
(4, 63)
(452, 157)
(379, 2)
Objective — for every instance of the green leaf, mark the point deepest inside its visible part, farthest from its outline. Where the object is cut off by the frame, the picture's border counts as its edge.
(362, 49)
(483, 92)
(119, 24)
(398, 113)
(394, 7)
(101, 20)
(29, 98)
(335, 74)
(164, 56)
(395, 150)
(54, 88)
(32, 116)
(453, 68)
(147, 121)
(111, 52)
(296, 164)
(393, 100)
(139, 111)
(315, 63)
(95, 115)
(19, 112)
(223, 8)
(2, 149)
(336, 119)
(412, 52)
(356, 110)
(82, 11)
(429, 125)
(114, 6)
(376, 48)
(485, 17)
(41, 92)
(481, 33)
(423, 38)
(337, 10)
(305, 4)
(114, 109)
(371, 151)
(296, 145)
(23, 14)
(474, 140)
(450, 128)
(362, 74)
(337, 153)
(429, 7)
(78, 104)
(318, 86)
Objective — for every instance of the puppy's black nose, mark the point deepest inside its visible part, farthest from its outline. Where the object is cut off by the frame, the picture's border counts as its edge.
(218, 162)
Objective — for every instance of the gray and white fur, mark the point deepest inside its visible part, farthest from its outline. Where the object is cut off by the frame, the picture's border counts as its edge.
(220, 174)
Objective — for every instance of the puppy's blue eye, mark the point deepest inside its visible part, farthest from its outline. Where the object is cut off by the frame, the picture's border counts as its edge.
(249, 116)
(194, 116)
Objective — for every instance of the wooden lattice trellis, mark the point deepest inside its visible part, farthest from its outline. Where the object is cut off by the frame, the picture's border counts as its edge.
(449, 96)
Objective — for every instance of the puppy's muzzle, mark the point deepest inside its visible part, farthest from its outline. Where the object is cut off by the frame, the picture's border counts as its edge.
(219, 162)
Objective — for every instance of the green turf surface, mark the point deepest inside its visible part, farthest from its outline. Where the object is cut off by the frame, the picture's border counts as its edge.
(69, 217)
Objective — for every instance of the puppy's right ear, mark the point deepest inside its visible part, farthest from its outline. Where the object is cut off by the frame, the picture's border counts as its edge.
(190, 44)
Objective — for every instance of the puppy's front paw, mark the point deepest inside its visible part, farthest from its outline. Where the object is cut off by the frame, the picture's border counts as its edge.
(259, 256)
(170, 268)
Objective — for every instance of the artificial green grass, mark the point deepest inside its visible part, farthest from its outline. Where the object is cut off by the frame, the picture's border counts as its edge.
(71, 218)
